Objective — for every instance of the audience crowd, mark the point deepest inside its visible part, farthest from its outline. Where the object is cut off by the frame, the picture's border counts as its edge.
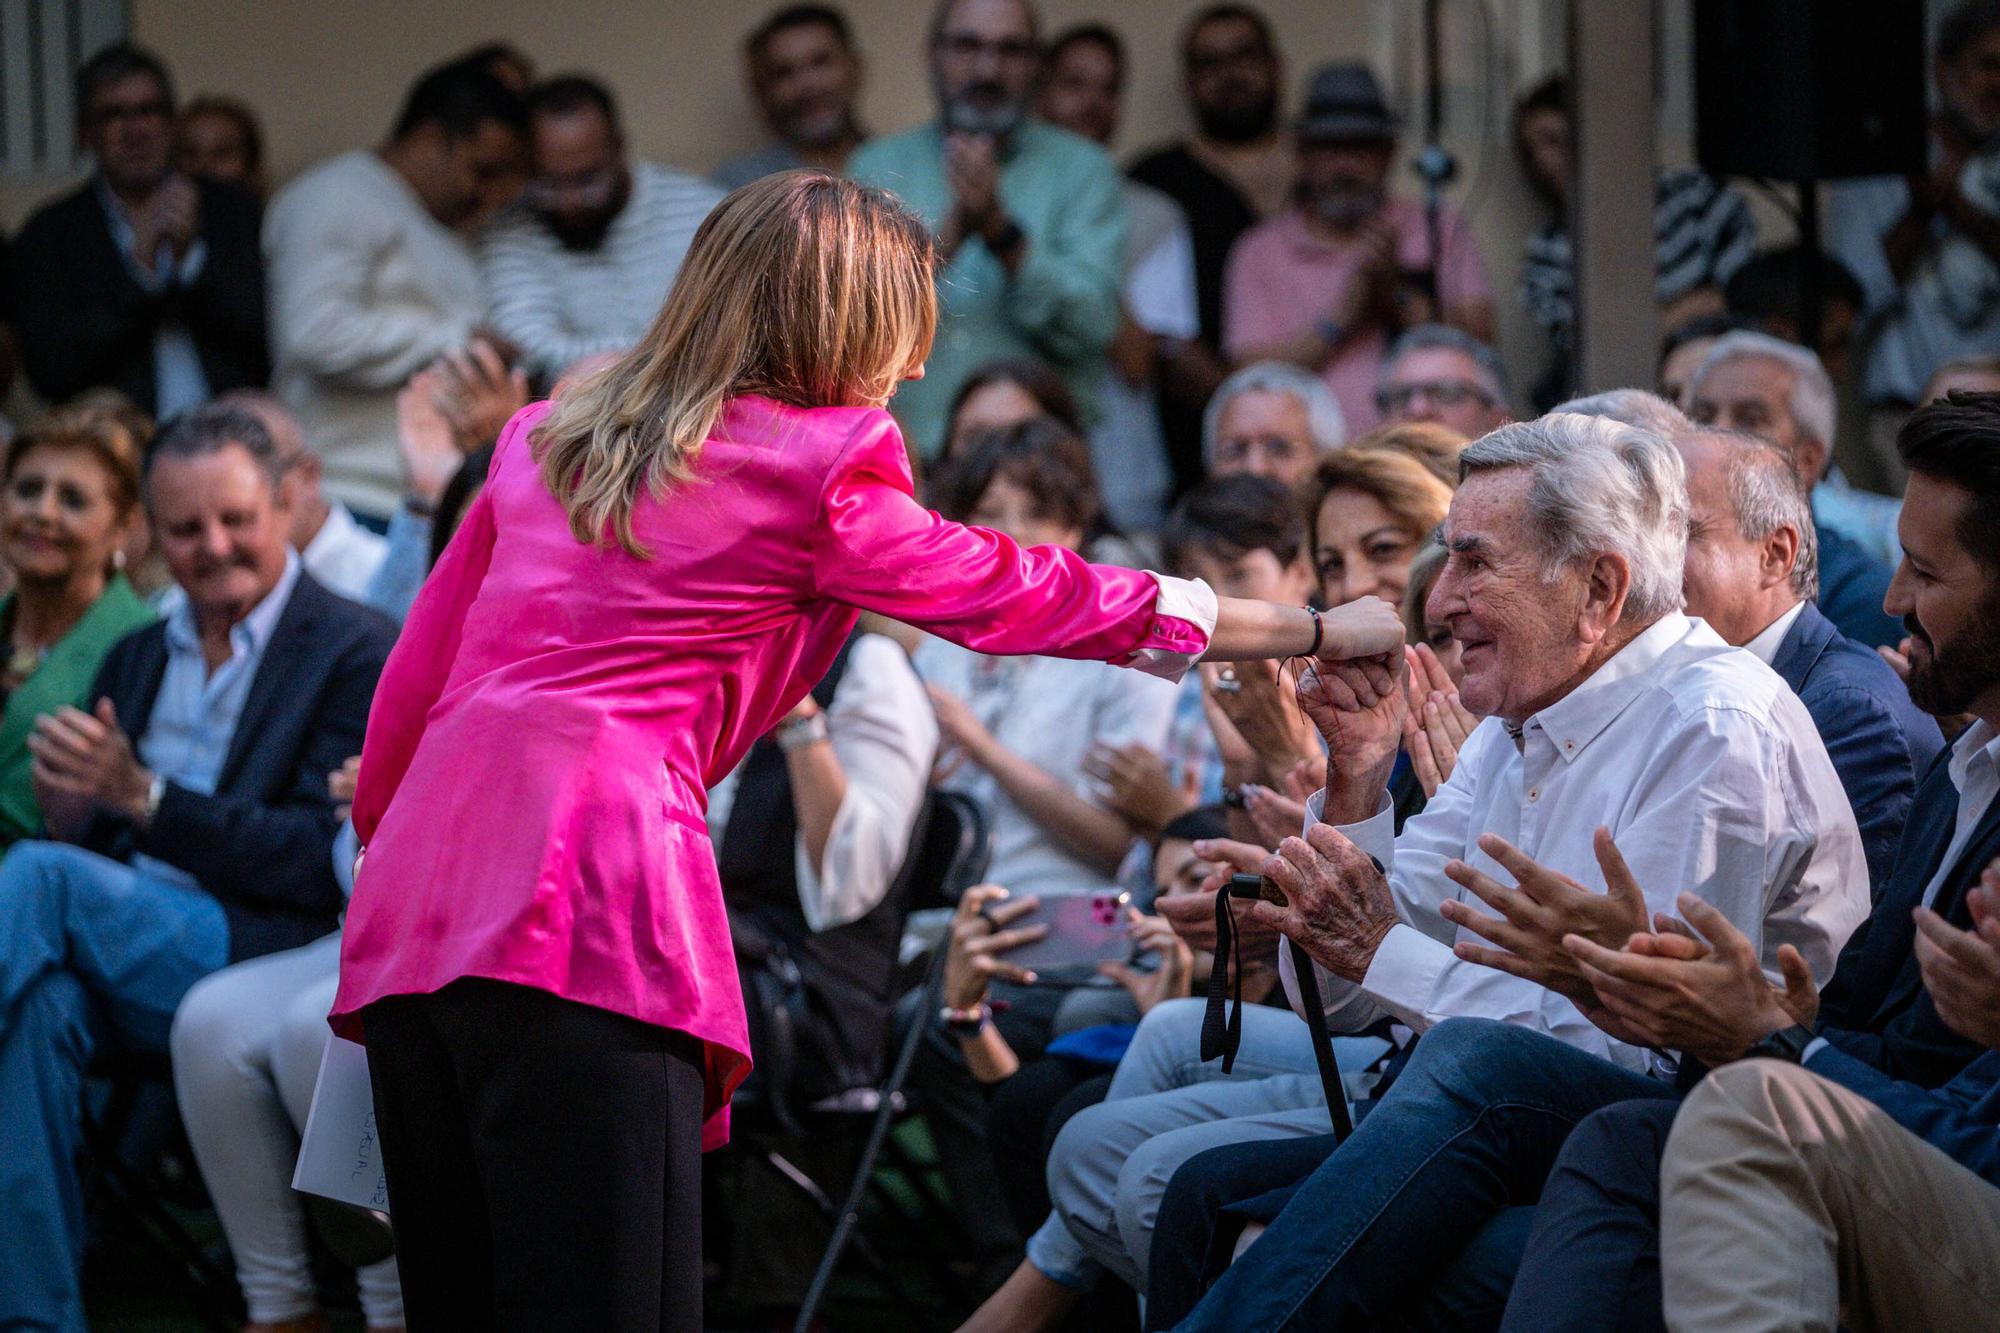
(1655, 919)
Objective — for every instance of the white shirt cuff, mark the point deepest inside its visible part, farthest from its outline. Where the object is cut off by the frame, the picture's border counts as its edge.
(1184, 616)
(1403, 975)
(1813, 1047)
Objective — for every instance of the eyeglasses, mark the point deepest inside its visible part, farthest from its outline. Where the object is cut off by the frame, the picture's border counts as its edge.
(1393, 398)
(966, 48)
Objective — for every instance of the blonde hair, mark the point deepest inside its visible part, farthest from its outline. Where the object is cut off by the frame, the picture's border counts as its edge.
(1414, 495)
(1436, 447)
(804, 287)
(114, 434)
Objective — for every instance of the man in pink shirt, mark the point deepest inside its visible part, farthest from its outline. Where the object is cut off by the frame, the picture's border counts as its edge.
(1327, 283)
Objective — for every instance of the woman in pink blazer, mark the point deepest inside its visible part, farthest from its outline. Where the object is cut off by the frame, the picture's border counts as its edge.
(661, 564)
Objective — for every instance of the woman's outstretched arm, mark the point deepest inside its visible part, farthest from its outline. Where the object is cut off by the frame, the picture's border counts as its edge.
(875, 548)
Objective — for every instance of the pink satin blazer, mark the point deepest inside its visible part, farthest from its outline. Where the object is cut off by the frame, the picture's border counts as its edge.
(533, 785)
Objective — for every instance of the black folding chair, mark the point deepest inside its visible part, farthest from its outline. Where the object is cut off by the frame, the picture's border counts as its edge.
(131, 1177)
(950, 858)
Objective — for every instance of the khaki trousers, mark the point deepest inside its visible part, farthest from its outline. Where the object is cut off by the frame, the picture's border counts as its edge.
(1788, 1202)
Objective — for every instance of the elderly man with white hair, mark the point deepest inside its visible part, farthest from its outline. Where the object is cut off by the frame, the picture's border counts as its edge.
(1763, 385)
(1606, 707)
(1271, 420)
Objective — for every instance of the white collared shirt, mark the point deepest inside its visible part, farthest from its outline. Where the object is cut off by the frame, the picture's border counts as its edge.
(343, 555)
(1705, 767)
(1052, 712)
(1975, 770)
(885, 735)
(1765, 646)
(192, 726)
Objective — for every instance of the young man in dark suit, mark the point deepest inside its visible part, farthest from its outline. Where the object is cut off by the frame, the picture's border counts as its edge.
(141, 280)
(189, 818)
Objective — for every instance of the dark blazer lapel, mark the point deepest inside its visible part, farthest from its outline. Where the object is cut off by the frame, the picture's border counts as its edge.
(1802, 647)
(149, 669)
(96, 230)
(277, 674)
(1872, 963)
(1981, 848)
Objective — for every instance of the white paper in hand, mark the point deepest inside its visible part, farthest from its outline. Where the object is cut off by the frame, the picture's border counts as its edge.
(340, 1156)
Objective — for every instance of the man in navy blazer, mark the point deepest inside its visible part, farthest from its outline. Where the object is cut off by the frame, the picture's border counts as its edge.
(1477, 1128)
(141, 279)
(1752, 573)
(189, 818)
(1796, 1199)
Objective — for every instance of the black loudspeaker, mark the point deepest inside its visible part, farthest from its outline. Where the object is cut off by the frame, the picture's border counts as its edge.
(1810, 89)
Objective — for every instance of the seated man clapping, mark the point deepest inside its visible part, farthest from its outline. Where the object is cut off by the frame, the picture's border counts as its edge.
(194, 821)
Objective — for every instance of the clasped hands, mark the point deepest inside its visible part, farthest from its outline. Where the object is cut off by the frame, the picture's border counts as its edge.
(1694, 985)
(83, 762)
(1703, 993)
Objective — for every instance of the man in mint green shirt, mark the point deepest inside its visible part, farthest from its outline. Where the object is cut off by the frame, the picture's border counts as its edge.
(1029, 218)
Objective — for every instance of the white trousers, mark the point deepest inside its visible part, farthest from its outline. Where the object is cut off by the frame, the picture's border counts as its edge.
(247, 1043)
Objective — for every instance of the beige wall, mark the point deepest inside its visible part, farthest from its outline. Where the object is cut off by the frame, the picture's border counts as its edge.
(327, 75)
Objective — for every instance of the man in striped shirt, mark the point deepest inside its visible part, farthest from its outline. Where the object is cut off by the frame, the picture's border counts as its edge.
(1703, 232)
(582, 265)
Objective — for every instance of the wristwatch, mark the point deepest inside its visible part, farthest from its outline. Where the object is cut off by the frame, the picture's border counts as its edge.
(1787, 1044)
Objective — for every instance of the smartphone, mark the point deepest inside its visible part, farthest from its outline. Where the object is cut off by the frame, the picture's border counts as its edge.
(1083, 928)
(1256, 886)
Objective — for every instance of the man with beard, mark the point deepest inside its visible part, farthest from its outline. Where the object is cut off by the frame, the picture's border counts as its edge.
(582, 267)
(371, 276)
(1083, 89)
(804, 75)
(1237, 168)
(1029, 219)
(1474, 1140)
(1328, 283)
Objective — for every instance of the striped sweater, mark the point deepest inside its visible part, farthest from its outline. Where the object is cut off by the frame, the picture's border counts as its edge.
(560, 305)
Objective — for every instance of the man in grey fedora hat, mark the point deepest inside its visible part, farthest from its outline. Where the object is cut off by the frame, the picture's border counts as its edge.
(1329, 282)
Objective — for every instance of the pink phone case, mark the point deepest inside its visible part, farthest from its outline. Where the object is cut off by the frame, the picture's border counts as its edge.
(1083, 928)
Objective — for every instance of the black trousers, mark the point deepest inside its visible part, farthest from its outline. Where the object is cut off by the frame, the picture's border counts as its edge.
(544, 1161)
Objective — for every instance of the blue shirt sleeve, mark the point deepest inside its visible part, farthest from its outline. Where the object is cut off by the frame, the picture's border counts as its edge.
(1961, 1119)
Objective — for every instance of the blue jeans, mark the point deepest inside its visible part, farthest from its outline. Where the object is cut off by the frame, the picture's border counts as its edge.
(1468, 1132)
(1592, 1261)
(89, 949)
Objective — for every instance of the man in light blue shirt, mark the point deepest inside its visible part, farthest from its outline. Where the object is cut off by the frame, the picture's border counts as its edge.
(1030, 219)
(195, 712)
(188, 818)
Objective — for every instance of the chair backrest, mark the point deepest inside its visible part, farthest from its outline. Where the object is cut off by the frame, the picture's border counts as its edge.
(950, 853)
